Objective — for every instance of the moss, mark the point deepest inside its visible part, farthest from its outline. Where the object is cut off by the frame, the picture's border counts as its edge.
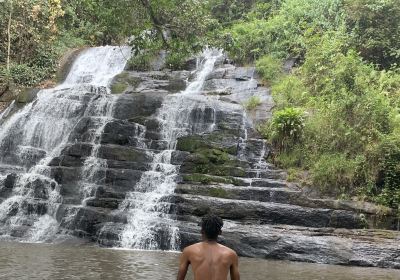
(232, 150)
(118, 88)
(201, 178)
(218, 170)
(218, 192)
(191, 143)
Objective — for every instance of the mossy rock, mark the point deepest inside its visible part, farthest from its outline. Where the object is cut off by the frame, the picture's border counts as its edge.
(118, 88)
(123, 81)
(27, 95)
(218, 192)
(210, 141)
(214, 156)
(191, 143)
(207, 179)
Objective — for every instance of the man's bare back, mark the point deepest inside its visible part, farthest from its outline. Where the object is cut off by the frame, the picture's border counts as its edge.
(209, 260)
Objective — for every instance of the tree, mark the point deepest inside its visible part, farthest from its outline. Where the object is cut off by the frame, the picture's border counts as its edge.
(375, 28)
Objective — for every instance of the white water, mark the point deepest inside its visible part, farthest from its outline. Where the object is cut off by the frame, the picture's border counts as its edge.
(30, 138)
(149, 224)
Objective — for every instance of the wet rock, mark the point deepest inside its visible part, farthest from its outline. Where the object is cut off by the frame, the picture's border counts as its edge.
(9, 181)
(122, 153)
(129, 106)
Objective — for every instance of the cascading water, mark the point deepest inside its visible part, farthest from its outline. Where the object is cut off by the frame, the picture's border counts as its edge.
(32, 137)
(149, 223)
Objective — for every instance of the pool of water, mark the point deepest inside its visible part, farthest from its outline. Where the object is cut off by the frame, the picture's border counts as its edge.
(47, 261)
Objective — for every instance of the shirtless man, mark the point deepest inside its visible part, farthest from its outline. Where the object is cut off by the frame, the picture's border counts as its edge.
(209, 260)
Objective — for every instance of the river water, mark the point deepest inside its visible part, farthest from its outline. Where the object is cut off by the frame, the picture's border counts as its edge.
(49, 261)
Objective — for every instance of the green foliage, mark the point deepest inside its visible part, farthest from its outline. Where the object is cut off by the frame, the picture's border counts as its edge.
(140, 62)
(269, 68)
(252, 103)
(24, 75)
(346, 144)
(283, 34)
(290, 91)
(388, 172)
(176, 60)
(375, 31)
(286, 128)
(334, 173)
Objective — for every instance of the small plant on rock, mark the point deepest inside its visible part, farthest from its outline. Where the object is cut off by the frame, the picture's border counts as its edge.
(252, 103)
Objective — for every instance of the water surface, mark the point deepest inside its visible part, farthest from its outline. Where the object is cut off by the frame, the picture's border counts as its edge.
(47, 261)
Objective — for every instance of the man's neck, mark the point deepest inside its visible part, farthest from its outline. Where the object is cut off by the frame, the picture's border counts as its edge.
(208, 241)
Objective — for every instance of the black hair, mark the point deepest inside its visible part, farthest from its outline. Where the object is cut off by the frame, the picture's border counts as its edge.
(211, 226)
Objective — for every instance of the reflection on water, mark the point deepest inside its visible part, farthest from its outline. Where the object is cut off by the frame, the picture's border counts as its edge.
(45, 261)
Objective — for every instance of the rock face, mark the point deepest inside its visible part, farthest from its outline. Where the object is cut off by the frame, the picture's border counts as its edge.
(222, 169)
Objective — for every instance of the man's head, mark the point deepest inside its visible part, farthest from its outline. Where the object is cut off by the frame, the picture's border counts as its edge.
(211, 226)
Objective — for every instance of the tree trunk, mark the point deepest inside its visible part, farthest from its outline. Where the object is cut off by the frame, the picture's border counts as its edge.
(9, 37)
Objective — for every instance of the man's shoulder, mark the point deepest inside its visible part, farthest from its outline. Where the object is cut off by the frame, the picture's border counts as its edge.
(228, 250)
(192, 247)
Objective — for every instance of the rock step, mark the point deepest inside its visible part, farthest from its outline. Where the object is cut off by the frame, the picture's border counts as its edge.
(81, 150)
(237, 181)
(108, 203)
(267, 212)
(266, 174)
(293, 196)
(268, 183)
(277, 195)
(326, 245)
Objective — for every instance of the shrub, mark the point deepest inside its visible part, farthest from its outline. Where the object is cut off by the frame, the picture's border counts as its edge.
(388, 173)
(334, 173)
(286, 128)
(290, 91)
(140, 62)
(25, 75)
(269, 68)
(176, 60)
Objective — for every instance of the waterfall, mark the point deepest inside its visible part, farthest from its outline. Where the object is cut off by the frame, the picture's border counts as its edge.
(36, 134)
(150, 225)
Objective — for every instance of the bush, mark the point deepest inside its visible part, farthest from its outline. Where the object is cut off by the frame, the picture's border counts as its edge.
(283, 34)
(334, 173)
(388, 173)
(25, 75)
(269, 68)
(140, 62)
(375, 29)
(176, 60)
(290, 91)
(286, 128)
